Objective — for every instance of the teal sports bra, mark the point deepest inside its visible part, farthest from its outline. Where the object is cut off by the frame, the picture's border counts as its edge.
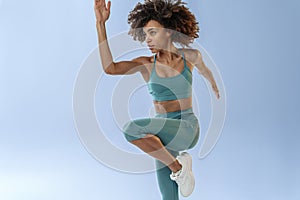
(170, 88)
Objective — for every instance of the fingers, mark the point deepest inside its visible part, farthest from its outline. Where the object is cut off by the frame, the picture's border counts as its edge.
(215, 89)
(218, 95)
(96, 4)
(101, 3)
(108, 5)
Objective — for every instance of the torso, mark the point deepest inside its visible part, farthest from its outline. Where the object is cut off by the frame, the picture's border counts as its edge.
(174, 68)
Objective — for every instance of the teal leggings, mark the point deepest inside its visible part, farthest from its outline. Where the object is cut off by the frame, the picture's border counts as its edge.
(178, 131)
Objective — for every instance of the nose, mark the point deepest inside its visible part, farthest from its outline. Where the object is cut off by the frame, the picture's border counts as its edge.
(148, 39)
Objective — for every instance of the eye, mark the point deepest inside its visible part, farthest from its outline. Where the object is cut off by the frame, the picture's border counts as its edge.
(152, 33)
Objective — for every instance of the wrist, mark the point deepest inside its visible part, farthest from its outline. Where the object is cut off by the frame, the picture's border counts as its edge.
(100, 23)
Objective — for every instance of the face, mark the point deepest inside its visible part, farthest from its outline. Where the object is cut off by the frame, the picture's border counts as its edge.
(157, 38)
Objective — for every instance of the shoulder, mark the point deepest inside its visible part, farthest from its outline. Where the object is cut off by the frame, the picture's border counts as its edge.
(192, 55)
(144, 59)
(146, 62)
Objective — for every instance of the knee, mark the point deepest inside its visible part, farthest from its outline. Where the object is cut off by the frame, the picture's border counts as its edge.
(130, 128)
(196, 138)
(132, 131)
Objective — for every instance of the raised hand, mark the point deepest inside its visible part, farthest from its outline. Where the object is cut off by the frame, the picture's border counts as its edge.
(102, 11)
(215, 89)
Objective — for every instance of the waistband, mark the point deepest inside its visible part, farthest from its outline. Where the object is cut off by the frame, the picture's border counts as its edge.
(176, 114)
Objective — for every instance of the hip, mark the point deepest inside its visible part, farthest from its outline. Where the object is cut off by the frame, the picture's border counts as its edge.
(187, 115)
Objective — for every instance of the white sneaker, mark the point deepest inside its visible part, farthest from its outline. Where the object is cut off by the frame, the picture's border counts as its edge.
(184, 177)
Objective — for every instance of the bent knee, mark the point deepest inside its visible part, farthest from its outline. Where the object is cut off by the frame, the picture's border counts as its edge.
(133, 131)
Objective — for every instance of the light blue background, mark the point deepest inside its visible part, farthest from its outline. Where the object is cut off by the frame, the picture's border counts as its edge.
(255, 45)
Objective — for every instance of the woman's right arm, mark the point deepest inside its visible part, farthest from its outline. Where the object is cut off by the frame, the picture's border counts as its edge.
(102, 13)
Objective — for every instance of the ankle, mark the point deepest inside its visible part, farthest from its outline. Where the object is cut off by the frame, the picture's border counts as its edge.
(175, 166)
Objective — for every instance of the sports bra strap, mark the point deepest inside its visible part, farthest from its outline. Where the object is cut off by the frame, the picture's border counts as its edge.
(154, 62)
(184, 61)
(153, 68)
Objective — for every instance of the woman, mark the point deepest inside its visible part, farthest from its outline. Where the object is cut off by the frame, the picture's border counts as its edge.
(175, 128)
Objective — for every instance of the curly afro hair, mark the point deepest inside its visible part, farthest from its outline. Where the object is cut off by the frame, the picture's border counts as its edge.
(172, 14)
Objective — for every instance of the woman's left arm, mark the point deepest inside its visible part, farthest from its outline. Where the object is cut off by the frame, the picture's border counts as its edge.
(204, 70)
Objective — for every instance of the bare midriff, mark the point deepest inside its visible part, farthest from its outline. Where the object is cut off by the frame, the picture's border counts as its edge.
(172, 105)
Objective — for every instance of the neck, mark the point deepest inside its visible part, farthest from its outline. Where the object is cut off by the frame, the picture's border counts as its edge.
(169, 53)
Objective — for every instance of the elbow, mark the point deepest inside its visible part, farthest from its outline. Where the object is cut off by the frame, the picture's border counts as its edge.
(109, 69)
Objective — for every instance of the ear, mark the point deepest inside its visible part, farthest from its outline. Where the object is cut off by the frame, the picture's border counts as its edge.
(169, 32)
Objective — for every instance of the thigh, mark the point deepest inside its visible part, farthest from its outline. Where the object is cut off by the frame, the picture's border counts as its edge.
(175, 134)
